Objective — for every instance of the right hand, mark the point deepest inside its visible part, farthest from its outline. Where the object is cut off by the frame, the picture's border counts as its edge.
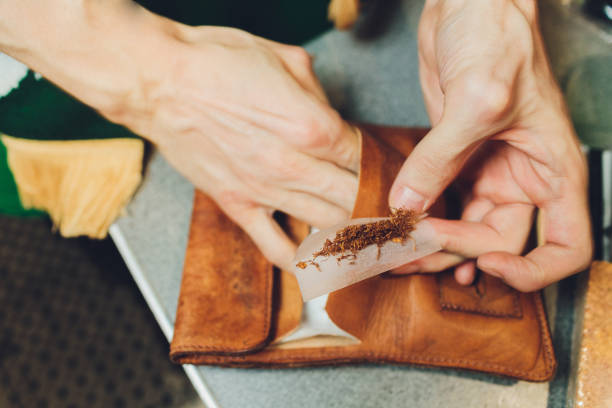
(493, 103)
(246, 120)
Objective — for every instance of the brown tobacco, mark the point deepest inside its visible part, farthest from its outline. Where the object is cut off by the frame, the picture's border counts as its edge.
(354, 238)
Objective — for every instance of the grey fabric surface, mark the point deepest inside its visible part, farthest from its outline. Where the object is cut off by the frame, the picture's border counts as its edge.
(580, 51)
(372, 80)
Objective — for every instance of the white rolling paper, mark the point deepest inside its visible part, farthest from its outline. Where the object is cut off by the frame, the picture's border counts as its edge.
(315, 322)
(331, 274)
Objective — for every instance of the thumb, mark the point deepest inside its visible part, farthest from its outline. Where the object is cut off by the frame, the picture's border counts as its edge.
(433, 164)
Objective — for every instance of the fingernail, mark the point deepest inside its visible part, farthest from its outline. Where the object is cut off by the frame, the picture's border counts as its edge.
(408, 198)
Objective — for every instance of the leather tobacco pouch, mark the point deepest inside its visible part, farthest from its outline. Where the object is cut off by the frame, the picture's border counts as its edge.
(234, 304)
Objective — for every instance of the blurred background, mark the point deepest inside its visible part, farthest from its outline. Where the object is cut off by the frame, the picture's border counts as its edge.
(74, 329)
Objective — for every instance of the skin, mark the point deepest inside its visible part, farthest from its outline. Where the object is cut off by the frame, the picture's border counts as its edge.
(501, 128)
(243, 118)
(246, 120)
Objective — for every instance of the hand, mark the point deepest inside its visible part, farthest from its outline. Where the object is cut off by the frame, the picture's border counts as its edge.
(247, 122)
(492, 100)
(243, 118)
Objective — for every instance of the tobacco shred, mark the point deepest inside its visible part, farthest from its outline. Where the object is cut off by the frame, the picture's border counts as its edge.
(352, 239)
(352, 257)
(303, 265)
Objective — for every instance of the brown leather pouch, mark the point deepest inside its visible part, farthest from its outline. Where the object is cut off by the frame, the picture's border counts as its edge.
(233, 304)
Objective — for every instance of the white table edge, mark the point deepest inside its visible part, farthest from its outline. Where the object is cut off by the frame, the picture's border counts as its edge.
(158, 312)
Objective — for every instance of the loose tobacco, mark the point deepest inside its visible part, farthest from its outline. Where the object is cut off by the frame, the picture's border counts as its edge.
(353, 238)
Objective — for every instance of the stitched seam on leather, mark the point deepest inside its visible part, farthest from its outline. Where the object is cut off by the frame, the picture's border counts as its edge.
(406, 358)
(268, 305)
(255, 365)
(416, 358)
(412, 358)
(544, 333)
(516, 312)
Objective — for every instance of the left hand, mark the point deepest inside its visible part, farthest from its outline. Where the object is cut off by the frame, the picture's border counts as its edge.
(243, 118)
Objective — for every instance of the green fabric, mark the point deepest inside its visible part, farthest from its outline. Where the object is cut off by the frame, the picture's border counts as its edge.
(37, 109)
(9, 198)
(288, 21)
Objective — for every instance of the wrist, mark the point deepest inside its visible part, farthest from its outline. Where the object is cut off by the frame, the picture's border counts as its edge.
(103, 53)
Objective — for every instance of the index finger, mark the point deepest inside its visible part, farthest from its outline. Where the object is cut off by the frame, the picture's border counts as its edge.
(568, 249)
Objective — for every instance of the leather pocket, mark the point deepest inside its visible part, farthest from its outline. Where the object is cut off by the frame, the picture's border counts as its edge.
(487, 296)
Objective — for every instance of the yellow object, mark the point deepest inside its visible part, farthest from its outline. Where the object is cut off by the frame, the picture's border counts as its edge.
(595, 354)
(83, 184)
(343, 13)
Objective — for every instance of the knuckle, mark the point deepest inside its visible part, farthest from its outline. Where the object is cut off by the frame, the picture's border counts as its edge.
(300, 55)
(239, 36)
(265, 165)
(320, 132)
(291, 170)
(490, 98)
(311, 135)
(233, 202)
(428, 165)
(536, 279)
(529, 9)
(252, 182)
(585, 255)
(286, 167)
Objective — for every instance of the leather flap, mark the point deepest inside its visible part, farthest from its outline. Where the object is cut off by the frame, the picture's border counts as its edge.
(225, 303)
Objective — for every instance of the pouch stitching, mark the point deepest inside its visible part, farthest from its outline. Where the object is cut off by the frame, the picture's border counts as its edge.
(516, 313)
(416, 358)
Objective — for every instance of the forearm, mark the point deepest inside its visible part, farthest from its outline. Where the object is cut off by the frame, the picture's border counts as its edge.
(95, 50)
